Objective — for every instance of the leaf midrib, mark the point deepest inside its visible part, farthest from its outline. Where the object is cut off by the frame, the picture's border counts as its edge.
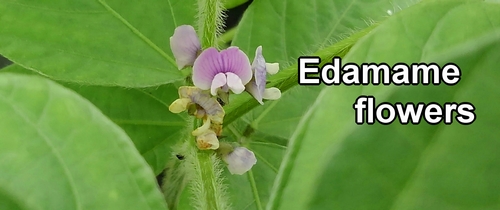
(137, 32)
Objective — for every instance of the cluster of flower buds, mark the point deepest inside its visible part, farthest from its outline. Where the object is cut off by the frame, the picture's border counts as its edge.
(216, 74)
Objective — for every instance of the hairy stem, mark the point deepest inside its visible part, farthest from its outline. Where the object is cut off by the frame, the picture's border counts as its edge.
(206, 181)
(210, 21)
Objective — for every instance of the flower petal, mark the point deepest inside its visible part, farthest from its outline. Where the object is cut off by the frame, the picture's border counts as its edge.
(259, 67)
(179, 105)
(272, 68)
(205, 67)
(240, 160)
(236, 61)
(272, 94)
(234, 83)
(219, 81)
(251, 87)
(185, 45)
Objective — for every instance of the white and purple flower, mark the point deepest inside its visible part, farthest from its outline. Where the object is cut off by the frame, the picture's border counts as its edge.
(257, 86)
(240, 160)
(226, 70)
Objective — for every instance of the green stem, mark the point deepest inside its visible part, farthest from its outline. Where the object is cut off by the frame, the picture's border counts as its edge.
(209, 21)
(254, 190)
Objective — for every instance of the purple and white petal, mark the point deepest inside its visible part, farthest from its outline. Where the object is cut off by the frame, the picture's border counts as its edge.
(205, 67)
(232, 63)
(240, 160)
(236, 61)
(185, 45)
(259, 68)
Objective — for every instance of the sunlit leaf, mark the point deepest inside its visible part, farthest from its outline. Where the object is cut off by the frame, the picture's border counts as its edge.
(336, 164)
(60, 152)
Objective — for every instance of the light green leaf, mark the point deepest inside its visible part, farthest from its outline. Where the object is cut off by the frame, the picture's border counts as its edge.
(98, 42)
(336, 164)
(142, 112)
(60, 152)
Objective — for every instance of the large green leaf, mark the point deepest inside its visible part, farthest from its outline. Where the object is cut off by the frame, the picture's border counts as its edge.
(142, 112)
(112, 42)
(60, 152)
(336, 164)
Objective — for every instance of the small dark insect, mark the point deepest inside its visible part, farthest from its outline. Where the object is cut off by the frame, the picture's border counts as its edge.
(221, 102)
(179, 156)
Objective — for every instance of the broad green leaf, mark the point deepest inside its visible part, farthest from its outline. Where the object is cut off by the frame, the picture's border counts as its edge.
(288, 29)
(60, 152)
(142, 113)
(98, 42)
(336, 164)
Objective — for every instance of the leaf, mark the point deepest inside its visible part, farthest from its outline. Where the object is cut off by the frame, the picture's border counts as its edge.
(8, 202)
(142, 112)
(314, 26)
(336, 164)
(60, 152)
(98, 42)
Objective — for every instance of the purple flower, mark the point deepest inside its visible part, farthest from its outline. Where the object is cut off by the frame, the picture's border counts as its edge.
(227, 69)
(257, 86)
(240, 160)
(185, 45)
